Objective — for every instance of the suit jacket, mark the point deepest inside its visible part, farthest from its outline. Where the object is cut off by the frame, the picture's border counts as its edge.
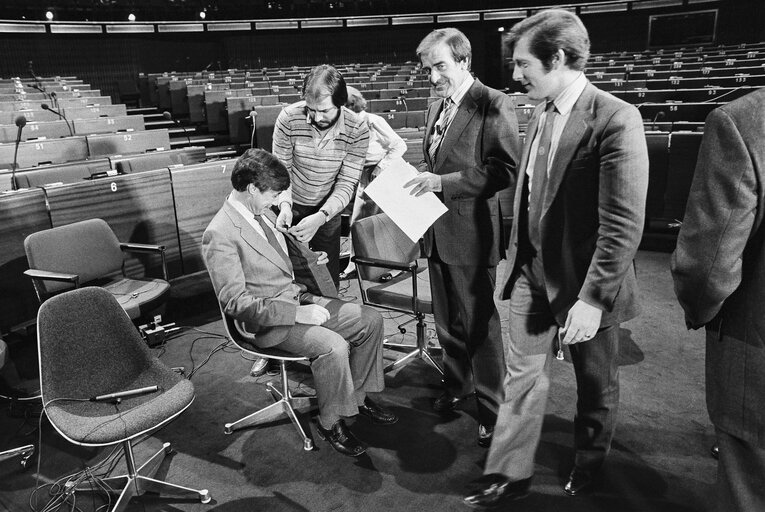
(476, 159)
(719, 264)
(253, 282)
(594, 208)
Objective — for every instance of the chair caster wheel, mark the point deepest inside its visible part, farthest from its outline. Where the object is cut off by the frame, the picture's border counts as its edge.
(227, 429)
(308, 445)
(204, 496)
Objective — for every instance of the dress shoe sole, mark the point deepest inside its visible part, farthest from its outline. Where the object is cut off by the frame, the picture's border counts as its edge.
(586, 489)
(499, 503)
(377, 421)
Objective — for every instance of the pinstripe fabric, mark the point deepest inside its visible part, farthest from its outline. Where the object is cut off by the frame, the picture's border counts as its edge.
(323, 173)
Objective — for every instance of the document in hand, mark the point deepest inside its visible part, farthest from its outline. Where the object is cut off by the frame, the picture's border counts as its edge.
(414, 215)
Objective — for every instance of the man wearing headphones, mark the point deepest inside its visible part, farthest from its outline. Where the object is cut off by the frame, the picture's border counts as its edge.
(323, 145)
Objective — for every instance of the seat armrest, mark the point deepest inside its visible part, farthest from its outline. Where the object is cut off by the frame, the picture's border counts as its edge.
(45, 275)
(148, 248)
(372, 262)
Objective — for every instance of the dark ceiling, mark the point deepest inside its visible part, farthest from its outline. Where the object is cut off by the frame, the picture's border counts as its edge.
(185, 10)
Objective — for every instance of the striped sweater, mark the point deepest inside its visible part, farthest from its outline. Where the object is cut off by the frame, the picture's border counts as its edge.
(322, 174)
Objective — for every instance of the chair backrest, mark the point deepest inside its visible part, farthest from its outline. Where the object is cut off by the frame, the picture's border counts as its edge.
(378, 237)
(87, 345)
(88, 248)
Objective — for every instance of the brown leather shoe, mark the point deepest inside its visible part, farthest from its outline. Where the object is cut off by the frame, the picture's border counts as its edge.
(342, 439)
(580, 481)
(495, 489)
(376, 413)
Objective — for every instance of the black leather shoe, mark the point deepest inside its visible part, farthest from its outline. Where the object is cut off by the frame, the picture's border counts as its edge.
(485, 433)
(342, 439)
(446, 402)
(580, 481)
(494, 490)
(376, 413)
(259, 367)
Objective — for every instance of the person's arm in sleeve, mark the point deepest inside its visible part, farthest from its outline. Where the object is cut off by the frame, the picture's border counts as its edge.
(500, 149)
(719, 217)
(281, 147)
(350, 171)
(394, 145)
(225, 269)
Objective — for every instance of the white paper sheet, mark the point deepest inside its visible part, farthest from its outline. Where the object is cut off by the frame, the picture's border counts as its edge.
(414, 215)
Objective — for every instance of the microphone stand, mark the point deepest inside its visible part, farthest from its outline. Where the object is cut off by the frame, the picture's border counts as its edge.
(253, 117)
(167, 115)
(21, 121)
(45, 106)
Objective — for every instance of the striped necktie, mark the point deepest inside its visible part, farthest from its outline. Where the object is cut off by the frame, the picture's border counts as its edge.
(272, 239)
(539, 179)
(439, 129)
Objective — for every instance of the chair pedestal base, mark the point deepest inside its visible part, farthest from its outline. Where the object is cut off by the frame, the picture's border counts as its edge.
(139, 481)
(284, 403)
(421, 350)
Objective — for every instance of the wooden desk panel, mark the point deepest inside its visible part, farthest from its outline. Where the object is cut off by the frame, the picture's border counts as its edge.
(21, 214)
(106, 144)
(37, 152)
(138, 207)
(108, 125)
(94, 112)
(199, 192)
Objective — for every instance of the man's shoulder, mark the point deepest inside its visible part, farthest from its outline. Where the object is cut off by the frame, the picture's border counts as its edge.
(220, 222)
(750, 106)
(294, 111)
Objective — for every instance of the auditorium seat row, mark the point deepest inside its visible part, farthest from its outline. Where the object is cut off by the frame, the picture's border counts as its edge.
(170, 207)
(56, 129)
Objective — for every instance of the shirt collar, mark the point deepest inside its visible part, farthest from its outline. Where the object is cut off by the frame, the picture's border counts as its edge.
(565, 100)
(462, 90)
(242, 209)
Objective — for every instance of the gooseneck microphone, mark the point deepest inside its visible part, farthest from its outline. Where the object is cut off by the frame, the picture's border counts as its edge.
(253, 119)
(21, 122)
(45, 106)
(54, 98)
(167, 115)
(124, 394)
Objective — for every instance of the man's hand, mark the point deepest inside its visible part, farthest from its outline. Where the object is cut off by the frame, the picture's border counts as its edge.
(284, 220)
(322, 258)
(582, 323)
(311, 314)
(425, 182)
(307, 227)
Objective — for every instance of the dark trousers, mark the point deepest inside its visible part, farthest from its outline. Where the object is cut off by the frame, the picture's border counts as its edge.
(740, 475)
(326, 239)
(530, 351)
(469, 331)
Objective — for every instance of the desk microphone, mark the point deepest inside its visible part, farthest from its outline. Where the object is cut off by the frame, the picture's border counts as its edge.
(45, 106)
(167, 115)
(21, 122)
(124, 394)
(54, 98)
(403, 101)
(659, 115)
(253, 119)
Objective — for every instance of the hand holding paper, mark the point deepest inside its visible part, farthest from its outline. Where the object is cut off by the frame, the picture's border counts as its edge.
(414, 212)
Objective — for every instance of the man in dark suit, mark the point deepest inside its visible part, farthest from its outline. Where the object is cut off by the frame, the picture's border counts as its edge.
(578, 218)
(719, 272)
(470, 153)
(253, 279)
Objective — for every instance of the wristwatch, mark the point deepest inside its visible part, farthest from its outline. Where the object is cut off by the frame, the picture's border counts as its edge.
(326, 215)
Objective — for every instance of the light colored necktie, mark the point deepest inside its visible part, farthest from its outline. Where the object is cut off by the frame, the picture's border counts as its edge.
(539, 179)
(439, 129)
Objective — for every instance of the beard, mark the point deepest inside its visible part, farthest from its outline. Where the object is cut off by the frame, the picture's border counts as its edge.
(329, 125)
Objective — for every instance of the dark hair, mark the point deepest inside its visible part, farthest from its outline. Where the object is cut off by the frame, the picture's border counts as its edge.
(549, 31)
(457, 42)
(356, 101)
(262, 169)
(325, 80)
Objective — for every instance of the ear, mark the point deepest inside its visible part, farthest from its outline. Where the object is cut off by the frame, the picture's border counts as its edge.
(559, 59)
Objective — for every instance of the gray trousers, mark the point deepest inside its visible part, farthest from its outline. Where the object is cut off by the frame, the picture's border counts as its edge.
(346, 356)
(529, 352)
(740, 475)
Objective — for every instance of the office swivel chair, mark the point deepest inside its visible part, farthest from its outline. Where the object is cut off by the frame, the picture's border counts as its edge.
(380, 246)
(88, 325)
(25, 452)
(284, 402)
(88, 253)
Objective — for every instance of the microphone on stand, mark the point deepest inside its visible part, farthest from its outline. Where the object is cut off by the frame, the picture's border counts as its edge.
(21, 122)
(54, 98)
(167, 115)
(253, 119)
(45, 106)
(659, 115)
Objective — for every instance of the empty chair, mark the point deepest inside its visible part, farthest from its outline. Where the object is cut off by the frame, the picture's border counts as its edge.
(88, 253)
(89, 325)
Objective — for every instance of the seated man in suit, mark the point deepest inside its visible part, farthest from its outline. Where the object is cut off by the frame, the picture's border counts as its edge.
(254, 281)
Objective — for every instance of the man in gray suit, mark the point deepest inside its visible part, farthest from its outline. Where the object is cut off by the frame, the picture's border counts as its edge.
(470, 153)
(719, 272)
(578, 218)
(253, 278)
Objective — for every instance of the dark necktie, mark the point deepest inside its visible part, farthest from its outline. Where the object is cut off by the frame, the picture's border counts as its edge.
(539, 179)
(272, 239)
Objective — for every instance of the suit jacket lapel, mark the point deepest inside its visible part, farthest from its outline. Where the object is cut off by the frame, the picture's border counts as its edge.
(254, 239)
(465, 112)
(531, 131)
(578, 124)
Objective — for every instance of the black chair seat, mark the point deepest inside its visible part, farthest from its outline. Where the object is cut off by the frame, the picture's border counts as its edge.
(397, 293)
